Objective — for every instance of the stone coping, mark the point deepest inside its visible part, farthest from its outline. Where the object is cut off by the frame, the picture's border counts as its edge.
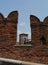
(19, 62)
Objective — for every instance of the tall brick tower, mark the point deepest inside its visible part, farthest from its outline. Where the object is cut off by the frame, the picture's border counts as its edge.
(39, 31)
(11, 25)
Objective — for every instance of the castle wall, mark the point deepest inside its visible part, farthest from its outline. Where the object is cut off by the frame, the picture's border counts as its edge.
(26, 53)
(8, 36)
(8, 28)
(38, 31)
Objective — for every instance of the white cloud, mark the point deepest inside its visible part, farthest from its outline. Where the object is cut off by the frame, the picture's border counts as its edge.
(18, 32)
(22, 24)
(5, 16)
(29, 35)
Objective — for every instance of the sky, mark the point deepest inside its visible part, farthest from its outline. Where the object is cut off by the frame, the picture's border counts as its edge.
(25, 8)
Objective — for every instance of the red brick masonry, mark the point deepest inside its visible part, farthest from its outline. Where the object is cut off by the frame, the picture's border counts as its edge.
(8, 38)
(25, 53)
(8, 28)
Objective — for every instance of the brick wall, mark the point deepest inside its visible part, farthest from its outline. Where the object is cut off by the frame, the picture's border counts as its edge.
(8, 36)
(8, 28)
(38, 30)
(26, 53)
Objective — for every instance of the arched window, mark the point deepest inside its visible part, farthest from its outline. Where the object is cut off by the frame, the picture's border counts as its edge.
(43, 40)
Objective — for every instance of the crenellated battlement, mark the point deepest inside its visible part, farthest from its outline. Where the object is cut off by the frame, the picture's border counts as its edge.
(8, 28)
(39, 31)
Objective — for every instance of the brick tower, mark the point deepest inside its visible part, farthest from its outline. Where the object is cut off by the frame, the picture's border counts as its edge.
(39, 31)
(23, 38)
(11, 24)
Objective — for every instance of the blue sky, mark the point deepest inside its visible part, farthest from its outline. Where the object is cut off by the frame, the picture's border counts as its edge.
(25, 8)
